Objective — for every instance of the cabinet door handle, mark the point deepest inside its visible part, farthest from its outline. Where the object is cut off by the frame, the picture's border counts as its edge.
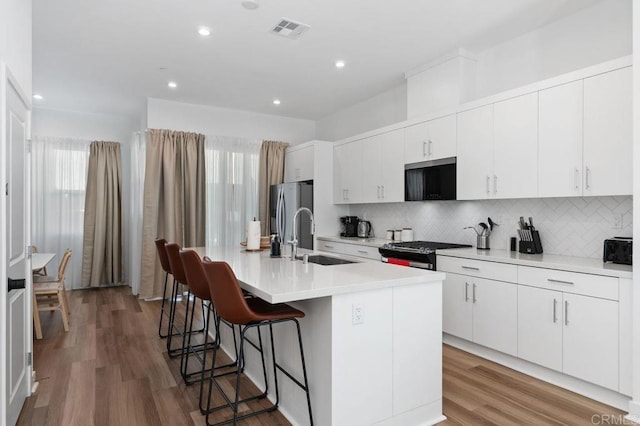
(566, 313)
(382, 191)
(488, 190)
(575, 178)
(347, 194)
(344, 195)
(378, 191)
(466, 291)
(474, 293)
(551, 280)
(495, 184)
(555, 314)
(430, 151)
(472, 268)
(424, 148)
(587, 178)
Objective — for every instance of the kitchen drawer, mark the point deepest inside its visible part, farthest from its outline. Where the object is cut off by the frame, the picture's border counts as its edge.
(478, 268)
(349, 249)
(569, 282)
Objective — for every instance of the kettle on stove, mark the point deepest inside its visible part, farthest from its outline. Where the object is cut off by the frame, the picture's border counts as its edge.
(365, 229)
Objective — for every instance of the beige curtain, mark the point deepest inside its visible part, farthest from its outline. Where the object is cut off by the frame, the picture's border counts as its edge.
(271, 173)
(102, 238)
(174, 200)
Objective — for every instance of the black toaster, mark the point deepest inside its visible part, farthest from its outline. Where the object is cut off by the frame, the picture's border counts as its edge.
(618, 250)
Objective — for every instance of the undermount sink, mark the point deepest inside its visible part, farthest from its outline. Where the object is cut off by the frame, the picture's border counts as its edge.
(328, 260)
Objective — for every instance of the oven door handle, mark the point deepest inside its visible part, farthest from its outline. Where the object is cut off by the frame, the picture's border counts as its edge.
(410, 263)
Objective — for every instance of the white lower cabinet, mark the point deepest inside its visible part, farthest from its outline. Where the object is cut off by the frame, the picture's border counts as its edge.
(483, 311)
(540, 326)
(590, 339)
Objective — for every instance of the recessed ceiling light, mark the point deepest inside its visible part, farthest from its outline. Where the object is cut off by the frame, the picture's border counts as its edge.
(172, 84)
(204, 31)
(250, 4)
(37, 97)
(276, 101)
(339, 64)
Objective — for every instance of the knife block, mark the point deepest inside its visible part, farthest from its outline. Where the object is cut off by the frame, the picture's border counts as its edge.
(532, 247)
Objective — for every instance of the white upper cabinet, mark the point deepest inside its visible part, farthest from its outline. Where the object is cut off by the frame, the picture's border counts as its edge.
(475, 153)
(391, 166)
(347, 163)
(430, 140)
(560, 140)
(608, 145)
(515, 148)
(298, 164)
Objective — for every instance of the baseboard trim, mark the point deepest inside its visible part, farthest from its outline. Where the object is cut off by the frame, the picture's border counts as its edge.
(600, 394)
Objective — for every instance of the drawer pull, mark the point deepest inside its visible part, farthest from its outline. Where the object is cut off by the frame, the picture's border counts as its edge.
(551, 280)
(555, 314)
(328, 246)
(363, 251)
(472, 268)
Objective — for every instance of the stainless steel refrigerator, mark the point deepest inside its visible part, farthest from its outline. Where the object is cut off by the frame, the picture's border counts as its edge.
(286, 198)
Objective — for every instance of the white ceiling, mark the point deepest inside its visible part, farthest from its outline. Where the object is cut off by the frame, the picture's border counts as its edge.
(105, 56)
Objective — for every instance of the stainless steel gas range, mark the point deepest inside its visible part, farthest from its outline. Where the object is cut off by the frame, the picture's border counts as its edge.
(417, 254)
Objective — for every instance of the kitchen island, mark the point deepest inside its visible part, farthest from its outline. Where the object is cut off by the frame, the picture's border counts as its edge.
(372, 336)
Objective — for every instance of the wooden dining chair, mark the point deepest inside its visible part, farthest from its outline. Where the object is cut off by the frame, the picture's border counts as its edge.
(42, 271)
(49, 294)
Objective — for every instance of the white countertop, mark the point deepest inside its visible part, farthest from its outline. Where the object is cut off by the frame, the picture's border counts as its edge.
(281, 280)
(550, 261)
(372, 242)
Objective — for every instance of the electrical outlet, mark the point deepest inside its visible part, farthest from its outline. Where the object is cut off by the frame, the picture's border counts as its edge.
(617, 221)
(357, 314)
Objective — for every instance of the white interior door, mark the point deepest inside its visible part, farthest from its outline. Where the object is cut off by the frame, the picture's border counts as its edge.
(17, 334)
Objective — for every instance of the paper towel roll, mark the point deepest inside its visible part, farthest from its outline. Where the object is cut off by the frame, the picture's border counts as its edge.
(253, 235)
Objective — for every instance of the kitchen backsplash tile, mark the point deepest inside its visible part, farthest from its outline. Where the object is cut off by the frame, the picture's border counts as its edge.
(568, 226)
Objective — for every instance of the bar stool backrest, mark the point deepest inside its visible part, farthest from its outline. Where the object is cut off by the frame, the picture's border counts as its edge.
(162, 254)
(226, 293)
(194, 272)
(173, 253)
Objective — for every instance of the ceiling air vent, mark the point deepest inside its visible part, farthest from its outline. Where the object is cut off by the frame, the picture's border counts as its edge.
(290, 29)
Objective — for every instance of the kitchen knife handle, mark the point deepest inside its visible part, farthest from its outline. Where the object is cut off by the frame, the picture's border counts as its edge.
(587, 178)
(575, 177)
(566, 312)
(495, 184)
(555, 307)
(430, 151)
(473, 268)
(488, 190)
(552, 280)
(466, 291)
(424, 148)
(474, 293)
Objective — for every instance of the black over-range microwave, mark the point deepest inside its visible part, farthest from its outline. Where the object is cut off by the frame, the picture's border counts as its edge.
(430, 180)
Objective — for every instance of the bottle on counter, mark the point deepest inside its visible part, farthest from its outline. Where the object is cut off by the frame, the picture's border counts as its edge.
(275, 246)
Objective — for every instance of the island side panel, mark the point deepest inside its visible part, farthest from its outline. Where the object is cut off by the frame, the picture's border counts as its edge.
(417, 354)
(362, 358)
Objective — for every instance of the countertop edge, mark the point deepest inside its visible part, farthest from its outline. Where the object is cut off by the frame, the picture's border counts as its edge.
(370, 242)
(612, 270)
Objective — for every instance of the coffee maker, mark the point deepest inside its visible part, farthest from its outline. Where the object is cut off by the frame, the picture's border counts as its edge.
(349, 226)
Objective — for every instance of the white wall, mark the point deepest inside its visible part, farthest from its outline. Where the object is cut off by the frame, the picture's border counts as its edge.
(83, 125)
(210, 120)
(596, 34)
(15, 40)
(381, 110)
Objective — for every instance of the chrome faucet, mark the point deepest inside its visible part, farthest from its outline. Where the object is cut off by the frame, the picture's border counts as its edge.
(294, 236)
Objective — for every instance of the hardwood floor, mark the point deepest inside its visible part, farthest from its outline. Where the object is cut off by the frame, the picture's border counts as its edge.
(111, 368)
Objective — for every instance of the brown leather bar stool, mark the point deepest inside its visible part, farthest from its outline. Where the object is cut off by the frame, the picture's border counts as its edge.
(179, 277)
(248, 313)
(197, 281)
(166, 267)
